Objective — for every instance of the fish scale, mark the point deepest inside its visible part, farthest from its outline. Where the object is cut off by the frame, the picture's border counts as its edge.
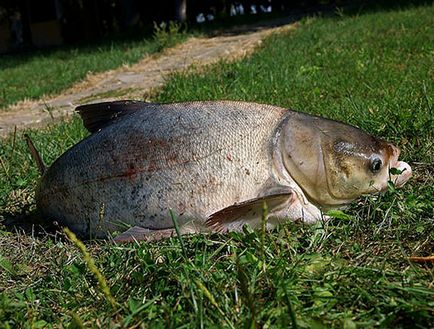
(190, 157)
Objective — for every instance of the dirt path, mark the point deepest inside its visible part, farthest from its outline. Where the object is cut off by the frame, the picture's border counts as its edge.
(133, 81)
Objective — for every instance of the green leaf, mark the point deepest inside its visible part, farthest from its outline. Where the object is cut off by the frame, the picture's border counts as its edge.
(40, 324)
(395, 171)
(6, 265)
(339, 214)
(349, 324)
(30, 295)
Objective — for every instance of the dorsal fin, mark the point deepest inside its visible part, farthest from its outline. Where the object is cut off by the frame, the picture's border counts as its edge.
(98, 115)
(35, 155)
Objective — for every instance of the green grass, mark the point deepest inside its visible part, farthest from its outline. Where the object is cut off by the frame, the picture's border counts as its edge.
(374, 71)
(47, 72)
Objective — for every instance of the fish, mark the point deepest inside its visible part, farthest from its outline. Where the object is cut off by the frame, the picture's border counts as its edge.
(214, 164)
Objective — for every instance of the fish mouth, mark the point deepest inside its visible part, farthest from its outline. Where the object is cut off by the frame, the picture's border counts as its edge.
(404, 175)
(404, 170)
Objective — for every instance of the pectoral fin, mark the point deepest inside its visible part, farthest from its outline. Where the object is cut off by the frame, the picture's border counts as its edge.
(137, 233)
(249, 212)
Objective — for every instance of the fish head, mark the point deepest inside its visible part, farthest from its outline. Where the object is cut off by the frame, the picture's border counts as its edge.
(335, 163)
(362, 166)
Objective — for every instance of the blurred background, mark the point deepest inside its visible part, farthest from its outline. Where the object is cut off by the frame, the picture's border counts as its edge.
(26, 24)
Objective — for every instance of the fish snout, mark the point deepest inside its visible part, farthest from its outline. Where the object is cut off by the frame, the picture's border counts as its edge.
(404, 175)
(404, 169)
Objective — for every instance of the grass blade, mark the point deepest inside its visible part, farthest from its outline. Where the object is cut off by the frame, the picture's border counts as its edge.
(92, 267)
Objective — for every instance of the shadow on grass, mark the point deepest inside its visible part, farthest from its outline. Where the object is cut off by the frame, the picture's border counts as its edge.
(28, 222)
(64, 52)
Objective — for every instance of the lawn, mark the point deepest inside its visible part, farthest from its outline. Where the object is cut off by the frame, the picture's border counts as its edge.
(33, 74)
(374, 70)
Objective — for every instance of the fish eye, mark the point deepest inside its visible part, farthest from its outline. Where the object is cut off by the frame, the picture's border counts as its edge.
(376, 165)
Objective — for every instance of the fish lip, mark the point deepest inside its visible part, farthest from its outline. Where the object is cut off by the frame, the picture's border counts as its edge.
(402, 178)
(405, 169)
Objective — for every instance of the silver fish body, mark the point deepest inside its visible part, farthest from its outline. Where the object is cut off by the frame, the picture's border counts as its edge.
(213, 163)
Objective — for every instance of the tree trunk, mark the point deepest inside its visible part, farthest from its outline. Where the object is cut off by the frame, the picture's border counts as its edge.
(181, 10)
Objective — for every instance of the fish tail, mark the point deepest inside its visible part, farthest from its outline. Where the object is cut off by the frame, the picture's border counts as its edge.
(35, 155)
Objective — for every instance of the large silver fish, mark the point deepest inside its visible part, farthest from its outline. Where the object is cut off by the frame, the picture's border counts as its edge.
(214, 164)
